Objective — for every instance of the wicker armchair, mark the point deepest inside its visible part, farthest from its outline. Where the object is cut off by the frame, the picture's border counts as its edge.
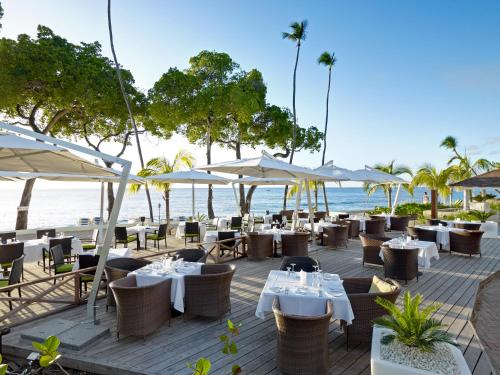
(336, 236)
(400, 264)
(400, 223)
(295, 244)
(140, 310)
(466, 242)
(343, 216)
(259, 246)
(302, 342)
(467, 226)
(371, 248)
(353, 228)
(375, 226)
(118, 268)
(426, 234)
(364, 307)
(305, 264)
(320, 215)
(208, 294)
(288, 214)
(303, 215)
(191, 255)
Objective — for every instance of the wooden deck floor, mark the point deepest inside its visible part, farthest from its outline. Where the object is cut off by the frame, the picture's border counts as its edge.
(452, 282)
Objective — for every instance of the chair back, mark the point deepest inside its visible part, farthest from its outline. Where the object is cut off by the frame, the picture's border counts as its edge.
(295, 244)
(277, 218)
(353, 227)
(303, 215)
(343, 216)
(426, 234)
(16, 271)
(51, 233)
(87, 261)
(305, 264)
(287, 213)
(320, 215)
(368, 240)
(259, 246)
(293, 331)
(467, 226)
(11, 251)
(236, 222)
(400, 264)
(336, 236)
(65, 243)
(375, 226)
(121, 234)
(400, 223)
(466, 242)
(162, 230)
(191, 255)
(192, 227)
(95, 235)
(127, 264)
(226, 235)
(57, 255)
(7, 236)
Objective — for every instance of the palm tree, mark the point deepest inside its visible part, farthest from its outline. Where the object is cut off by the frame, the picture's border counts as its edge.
(162, 165)
(390, 168)
(297, 35)
(127, 103)
(327, 59)
(313, 185)
(436, 181)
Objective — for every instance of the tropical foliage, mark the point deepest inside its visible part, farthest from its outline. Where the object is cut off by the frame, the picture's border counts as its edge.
(412, 325)
(49, 353)
(481, 215)
(313, 186)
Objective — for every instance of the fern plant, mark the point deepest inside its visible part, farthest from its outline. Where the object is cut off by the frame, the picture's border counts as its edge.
(412, 326)
(481, 215)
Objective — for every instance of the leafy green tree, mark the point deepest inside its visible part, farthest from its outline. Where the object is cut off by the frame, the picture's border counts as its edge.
(161, 165)
(297, 35)
(327, 59)
(436, 181)
(391, 168)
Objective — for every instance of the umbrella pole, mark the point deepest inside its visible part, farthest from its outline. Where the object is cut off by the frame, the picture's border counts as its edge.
(192, 200)
(297, 204)
(101, 215)
(238, 211)
(395, 200)
(311, 212)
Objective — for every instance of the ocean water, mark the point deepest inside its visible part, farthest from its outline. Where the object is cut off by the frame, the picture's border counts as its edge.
(60, 207)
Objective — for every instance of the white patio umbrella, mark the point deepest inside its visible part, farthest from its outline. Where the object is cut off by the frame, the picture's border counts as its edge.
(335, 173)
(268, 166)
(257, 181)
(189, 177)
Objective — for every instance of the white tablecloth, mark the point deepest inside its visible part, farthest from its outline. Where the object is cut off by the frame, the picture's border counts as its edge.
(212, 236)
(276, 233)
(33, 249)
(309, 304)
(442, 234)
(141, 231)
(490, 228)
(148, 275)
(179, 233)
(124, 252)
(268, 219)
(426, 250)
(318, 227)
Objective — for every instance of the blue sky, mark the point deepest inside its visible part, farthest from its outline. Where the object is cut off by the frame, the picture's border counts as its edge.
(408, 74)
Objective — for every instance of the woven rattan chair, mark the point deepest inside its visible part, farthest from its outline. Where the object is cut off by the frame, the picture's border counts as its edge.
(371, 248)
(160, 235)
(208, 294)
(400, 223)
(400, 264)
(343, 216)
(118, 268)
(141, 310)
(305, 264)
(302, 342)
(51, 233)
(288, 214)
(7, 236)
(466, 242)
(320, 215)
(364, 307)
(303, 215)
(353, 228)
(295, 244)
(259, 246)
(191, 255)
(426, 234)
(336, 236)
(375, 226)
(467, 226)
(9, 252)
(192, 230)
(14, 277)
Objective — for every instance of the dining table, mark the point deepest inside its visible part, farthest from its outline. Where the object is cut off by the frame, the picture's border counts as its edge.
(33, 249)
(490, 228)
(427, 250)
(442, 234)
(141, 231)
(305, 294)
(167, 269)
(212, 236)
(181, 228)
(319, 228)
(113, 253)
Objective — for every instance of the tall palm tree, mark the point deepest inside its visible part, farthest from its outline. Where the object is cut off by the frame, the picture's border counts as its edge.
(297, 35)
(162, 165)
(436, 181)
(127, 103)
(327, 59)
(391, 168)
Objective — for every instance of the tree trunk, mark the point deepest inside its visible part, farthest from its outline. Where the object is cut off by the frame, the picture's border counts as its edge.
(327, 209)
(434, 198)
(129, 109)
(389, 197)
(325, 132)
(316, 196)
(294, 129)
(22, 216)
(210, 207)
(243, 210)
(111, 198)
(166, 197)
(248, 201)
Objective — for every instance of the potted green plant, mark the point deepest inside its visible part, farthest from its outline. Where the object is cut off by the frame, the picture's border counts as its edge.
(409, 342)
(482, 216)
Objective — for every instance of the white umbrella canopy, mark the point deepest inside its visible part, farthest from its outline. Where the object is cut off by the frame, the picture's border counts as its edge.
(24, 155)
(189, 177)
(263, 181)
(375, 176)
(115, 177)
(335, 173)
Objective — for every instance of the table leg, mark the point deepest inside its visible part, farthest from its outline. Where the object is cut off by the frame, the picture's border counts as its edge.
(138, 242)
(321, 238)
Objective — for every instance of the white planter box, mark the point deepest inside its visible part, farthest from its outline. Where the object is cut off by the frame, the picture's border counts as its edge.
(383, 367)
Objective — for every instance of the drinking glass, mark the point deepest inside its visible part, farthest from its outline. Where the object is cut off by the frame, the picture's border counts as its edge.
(288, 269)
(293, 266)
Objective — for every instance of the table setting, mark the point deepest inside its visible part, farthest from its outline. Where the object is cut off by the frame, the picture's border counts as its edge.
(276, 232)
(179, 233)
(490, 228)
(33, 248)
(304, 293)
(140, 231)
(166, 268)
(426, 250)
(442, 233)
